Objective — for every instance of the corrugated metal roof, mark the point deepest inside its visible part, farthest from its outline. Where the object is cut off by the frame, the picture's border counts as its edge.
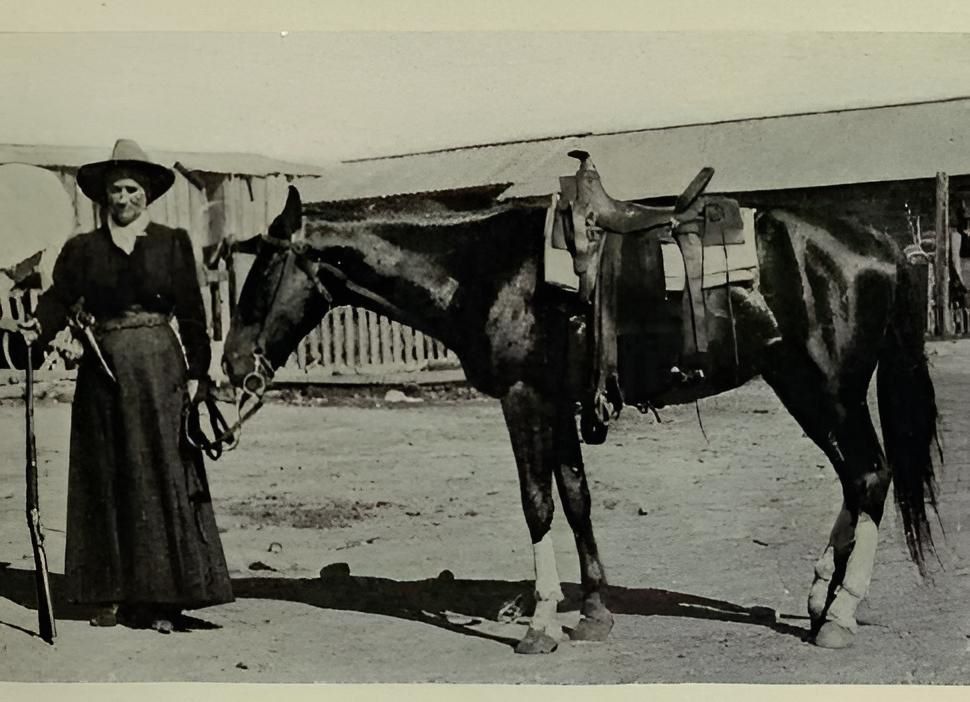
(225, 163)
(502, 164)
(889, 143)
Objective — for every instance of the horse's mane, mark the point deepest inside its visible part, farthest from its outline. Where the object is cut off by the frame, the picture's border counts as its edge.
(417, 211)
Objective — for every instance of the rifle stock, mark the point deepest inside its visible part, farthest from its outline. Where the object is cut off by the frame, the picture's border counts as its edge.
(45, 609)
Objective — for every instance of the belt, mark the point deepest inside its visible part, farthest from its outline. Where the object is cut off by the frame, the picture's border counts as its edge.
(133, 319)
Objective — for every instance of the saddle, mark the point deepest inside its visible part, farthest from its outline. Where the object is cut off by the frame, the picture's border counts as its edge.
(638, 275)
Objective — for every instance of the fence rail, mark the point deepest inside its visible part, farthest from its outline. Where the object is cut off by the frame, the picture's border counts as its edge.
(354, 341)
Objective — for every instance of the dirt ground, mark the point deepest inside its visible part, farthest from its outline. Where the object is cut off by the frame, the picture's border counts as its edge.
(709, 546)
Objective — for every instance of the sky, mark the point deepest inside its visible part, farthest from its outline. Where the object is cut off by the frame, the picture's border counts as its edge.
(319, 97)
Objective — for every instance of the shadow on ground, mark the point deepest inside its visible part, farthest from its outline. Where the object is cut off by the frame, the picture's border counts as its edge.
(432, 601)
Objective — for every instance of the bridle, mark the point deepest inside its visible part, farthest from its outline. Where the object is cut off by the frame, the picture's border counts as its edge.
(325, 277)
(255, 382)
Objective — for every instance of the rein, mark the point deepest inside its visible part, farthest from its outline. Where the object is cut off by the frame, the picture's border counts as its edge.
(226, 437)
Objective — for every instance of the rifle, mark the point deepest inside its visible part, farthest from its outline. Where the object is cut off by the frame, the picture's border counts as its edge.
(45, 609)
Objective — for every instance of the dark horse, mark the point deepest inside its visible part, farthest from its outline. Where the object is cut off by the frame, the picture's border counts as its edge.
(835, 300)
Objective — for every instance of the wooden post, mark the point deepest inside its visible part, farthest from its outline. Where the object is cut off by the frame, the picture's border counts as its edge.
(387, 349)
(326, 340)
(350, 337)
(419, 355)
(944, 319)
(374, 329)
(407, 334)
(397, 345)
(363, 337)
(340, 359)
(216, 292)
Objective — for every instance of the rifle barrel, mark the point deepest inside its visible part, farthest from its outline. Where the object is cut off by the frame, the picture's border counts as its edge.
(45, 609)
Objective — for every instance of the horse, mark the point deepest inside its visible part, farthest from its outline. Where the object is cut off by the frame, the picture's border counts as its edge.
(836, 305)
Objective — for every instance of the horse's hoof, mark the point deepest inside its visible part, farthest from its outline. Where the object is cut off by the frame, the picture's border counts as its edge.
(593, 628)
(833, 635)
(536, 641)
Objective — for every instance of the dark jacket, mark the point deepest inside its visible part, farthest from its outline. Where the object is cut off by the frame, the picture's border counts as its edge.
(158, 276)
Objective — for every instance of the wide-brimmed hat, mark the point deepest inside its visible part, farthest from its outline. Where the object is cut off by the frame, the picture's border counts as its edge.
(126, 154)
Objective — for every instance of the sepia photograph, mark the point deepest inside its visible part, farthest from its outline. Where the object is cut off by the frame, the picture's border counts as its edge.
(465, 357)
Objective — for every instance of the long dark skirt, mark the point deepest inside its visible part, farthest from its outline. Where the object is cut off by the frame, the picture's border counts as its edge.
(140, 525)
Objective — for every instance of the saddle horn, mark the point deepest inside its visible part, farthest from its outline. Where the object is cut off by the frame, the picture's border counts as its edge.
(693, 191)
(622, 216)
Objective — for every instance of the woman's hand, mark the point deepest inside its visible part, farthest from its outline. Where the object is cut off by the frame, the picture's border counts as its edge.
(199, 389)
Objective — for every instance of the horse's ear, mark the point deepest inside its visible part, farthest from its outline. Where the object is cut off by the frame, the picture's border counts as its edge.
(288, 222)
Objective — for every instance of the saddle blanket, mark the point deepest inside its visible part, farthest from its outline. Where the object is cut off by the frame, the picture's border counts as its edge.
(733, 262)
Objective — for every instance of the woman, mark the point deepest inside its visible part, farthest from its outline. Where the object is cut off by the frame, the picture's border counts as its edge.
(142, 543)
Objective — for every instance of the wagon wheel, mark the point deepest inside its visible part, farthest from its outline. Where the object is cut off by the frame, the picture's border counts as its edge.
(5, 346)
(13, 310)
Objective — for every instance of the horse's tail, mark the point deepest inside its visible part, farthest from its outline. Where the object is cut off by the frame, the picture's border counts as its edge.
(908, 413)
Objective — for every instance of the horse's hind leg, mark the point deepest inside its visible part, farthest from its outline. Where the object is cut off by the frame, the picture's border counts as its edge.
(531, 420)
(843, 572)
(596, 622)
(843, 429)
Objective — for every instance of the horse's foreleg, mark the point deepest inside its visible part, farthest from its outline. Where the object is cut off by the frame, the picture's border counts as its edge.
(596, 622)
(531, 420)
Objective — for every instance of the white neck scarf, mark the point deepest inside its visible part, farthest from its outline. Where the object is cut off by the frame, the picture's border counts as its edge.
(124, 235)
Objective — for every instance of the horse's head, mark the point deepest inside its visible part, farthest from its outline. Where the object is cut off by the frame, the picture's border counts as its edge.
(281, 301)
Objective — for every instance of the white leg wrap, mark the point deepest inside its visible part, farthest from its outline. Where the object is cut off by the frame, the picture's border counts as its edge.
(548, 589)
(858, 574)
(546, 619)
(840, 539)
(548, 586)
(819, 592)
